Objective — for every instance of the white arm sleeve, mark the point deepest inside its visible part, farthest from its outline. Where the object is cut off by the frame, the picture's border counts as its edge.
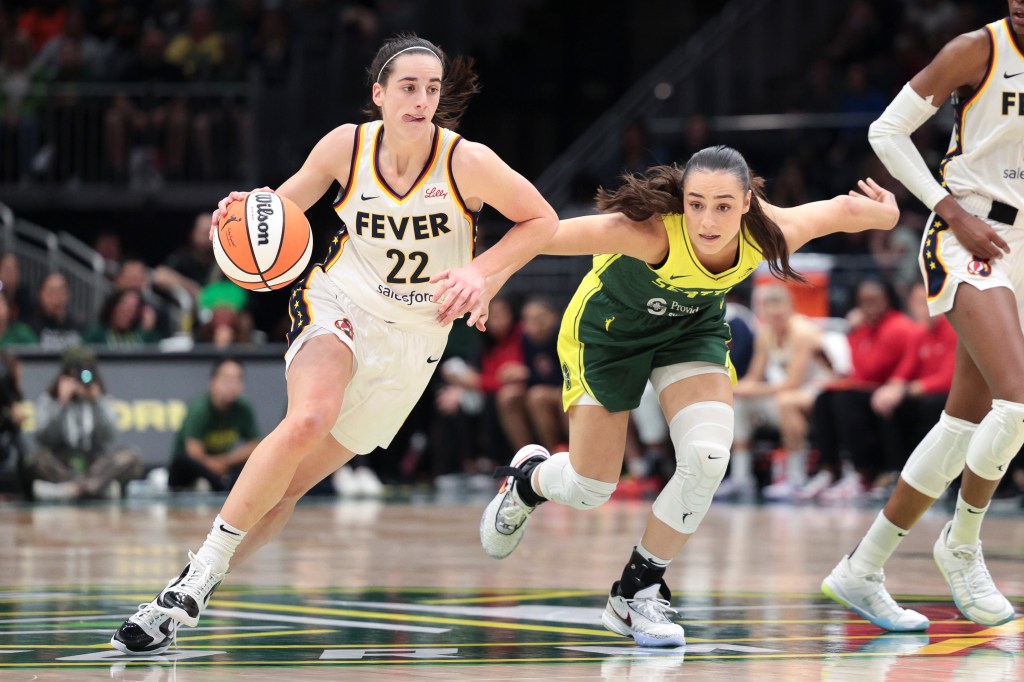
(890, 138)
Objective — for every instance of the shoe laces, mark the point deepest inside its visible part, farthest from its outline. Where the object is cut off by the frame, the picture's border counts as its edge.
(200, 579)
(512, 512)
(975, 573)
(655, 609)
(148, 615)
(880, 597)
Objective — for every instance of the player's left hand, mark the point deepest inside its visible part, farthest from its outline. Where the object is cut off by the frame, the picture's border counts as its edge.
(461, 291)
(869, 189)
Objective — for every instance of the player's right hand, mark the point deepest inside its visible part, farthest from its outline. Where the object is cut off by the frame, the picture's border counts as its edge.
(222, 206)
(974, 234)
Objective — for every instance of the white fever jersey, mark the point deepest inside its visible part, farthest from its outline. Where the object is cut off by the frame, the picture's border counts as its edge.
(986, 155)
(391, 244)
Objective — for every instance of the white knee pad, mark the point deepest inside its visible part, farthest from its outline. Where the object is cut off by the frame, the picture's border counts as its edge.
(559, 482)
(998, 438)
(939, 458)
(701, 434)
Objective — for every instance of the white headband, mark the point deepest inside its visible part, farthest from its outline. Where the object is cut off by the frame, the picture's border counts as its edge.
(414, 47)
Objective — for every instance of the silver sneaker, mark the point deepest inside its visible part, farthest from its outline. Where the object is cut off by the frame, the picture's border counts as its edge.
(504, 519)
(866, 596)
(974, 592)
(644, 617)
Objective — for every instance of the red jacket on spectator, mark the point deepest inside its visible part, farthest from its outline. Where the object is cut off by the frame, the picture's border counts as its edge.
(930, 357)
(508, 350)
(876, 350)
(40, 26)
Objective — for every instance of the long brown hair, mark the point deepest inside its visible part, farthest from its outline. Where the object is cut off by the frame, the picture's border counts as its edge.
(659, 191)
(458, 83)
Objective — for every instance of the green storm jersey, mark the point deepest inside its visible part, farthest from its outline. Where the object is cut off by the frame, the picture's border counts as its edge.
(681, 286)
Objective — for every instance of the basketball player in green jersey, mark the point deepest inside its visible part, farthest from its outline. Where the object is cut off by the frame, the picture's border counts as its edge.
(675, 242)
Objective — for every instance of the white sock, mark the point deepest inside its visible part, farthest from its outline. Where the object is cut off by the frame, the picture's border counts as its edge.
(655, 561)
(966, 527)
(796, 467)
(876, 547)
(220, 545)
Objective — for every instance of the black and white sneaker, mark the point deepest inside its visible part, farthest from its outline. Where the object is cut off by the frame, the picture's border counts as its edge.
(503, 522)
(148, 631)
(646, 617)
(186, 600)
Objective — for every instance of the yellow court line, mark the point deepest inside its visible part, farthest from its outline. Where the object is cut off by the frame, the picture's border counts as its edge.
(1014, 627)
(408, 618)
(250, 635)
(951, 646)
(510, 597)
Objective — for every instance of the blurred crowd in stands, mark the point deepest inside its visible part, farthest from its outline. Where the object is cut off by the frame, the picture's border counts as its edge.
(832, 397)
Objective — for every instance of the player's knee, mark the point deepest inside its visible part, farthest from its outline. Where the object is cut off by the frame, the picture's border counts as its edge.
(310, 425)
(560, 482)
(1000, 435)
(702, 435)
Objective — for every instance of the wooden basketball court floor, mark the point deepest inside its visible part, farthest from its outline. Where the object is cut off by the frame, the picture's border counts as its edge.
(402, 591)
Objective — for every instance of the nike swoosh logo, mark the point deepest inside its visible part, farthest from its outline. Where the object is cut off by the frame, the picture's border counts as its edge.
(366, 198)
(678, 276)
(229, 532)
(902, 535)
(713, 457)
(971, 511)
(431, 361)
(1012, 75)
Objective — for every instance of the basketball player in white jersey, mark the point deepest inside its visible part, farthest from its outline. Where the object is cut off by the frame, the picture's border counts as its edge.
(370, 322)
(972, 258)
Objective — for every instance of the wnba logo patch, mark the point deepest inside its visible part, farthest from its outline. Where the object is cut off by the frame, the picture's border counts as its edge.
(979, 267)
(344, 325)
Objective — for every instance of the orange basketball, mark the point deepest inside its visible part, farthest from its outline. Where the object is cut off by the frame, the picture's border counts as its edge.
(264, 242)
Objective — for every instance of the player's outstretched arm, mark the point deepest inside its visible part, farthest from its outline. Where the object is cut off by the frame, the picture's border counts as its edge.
(483, 178)
(874, 207)
(610, 233)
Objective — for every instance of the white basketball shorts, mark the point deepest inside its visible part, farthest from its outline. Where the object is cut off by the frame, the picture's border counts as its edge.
(391, 370)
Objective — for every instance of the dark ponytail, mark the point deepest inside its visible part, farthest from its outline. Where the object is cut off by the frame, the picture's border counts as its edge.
(458, 83)
(659, 191)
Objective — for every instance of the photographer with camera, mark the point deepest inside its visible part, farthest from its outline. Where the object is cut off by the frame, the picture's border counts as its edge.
(77, 455)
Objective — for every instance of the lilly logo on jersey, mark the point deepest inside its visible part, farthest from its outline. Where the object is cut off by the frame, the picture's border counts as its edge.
(434, 194)
(980, 268)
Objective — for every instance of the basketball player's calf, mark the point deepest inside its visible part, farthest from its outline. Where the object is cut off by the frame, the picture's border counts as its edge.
(639, 604)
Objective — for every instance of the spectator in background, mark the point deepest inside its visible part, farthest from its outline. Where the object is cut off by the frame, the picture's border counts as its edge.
(222, 315)
(541, 319)
(125, 321)
(18, 297)
(912, 400)
(145, 125)
(19, 109)
(846, 429)
(13, 332)
(90, 50)
(55, 325)
(108, 244)
(78, 456)
(42, 22)
(778, 391)
(218, 434)
(192, 266)
(12, 415)
(134, 275)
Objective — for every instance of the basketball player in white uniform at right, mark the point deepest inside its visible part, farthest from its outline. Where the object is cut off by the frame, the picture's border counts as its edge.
(972, 257)
(371, 321)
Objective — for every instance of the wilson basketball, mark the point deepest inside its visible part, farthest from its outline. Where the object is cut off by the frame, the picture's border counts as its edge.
(264, 242)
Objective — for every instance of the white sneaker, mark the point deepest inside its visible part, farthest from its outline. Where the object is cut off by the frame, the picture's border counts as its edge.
(645, 617)
(866, 596)
(970, 582)
(345, 483)
(369, 484)
(47, 491)
(779, 491)
(504, 519)
(849, 488)
(731, 489)
(186, 600)
(148, 631)
(818, 484)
